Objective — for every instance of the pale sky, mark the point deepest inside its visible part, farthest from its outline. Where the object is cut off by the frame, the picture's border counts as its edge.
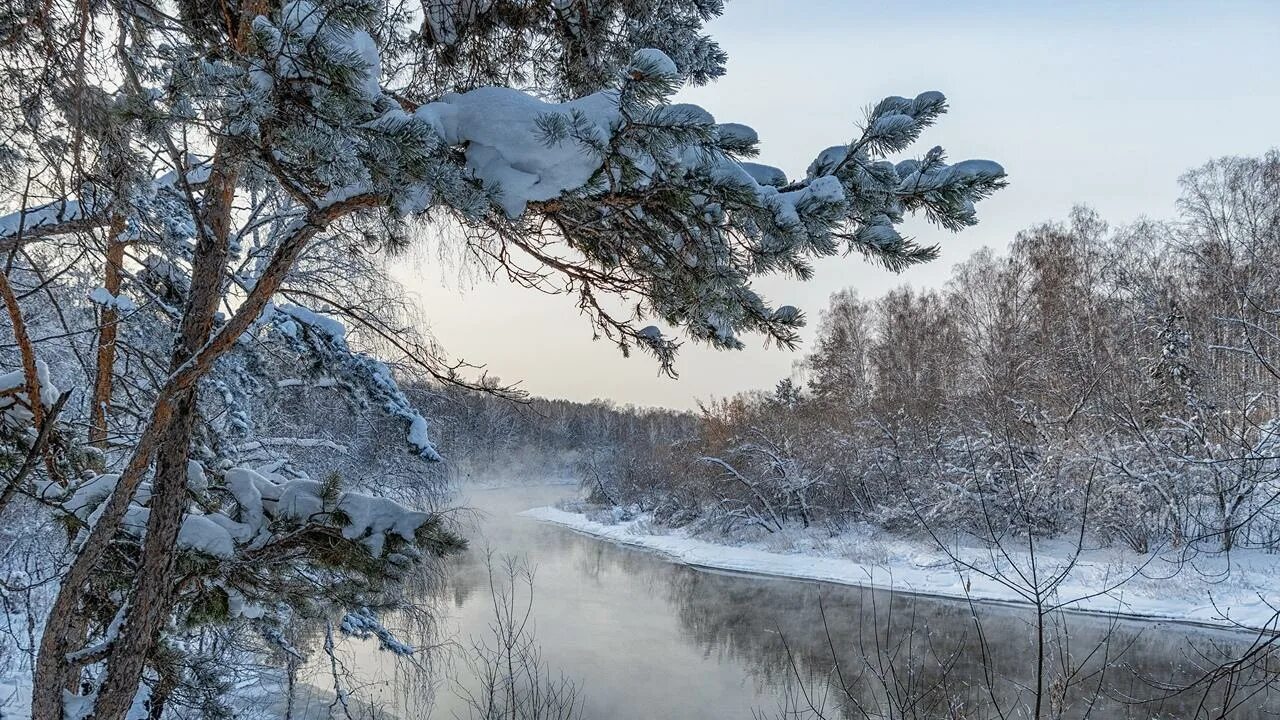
(1102, 103)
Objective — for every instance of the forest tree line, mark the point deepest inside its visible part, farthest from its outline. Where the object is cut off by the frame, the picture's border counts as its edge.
(1126, 375)
(493, 437)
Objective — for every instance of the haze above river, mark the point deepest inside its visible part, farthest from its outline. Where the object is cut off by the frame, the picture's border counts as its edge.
(647, 639)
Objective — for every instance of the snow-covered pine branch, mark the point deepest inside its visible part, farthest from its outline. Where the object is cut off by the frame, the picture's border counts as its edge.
(189, 200)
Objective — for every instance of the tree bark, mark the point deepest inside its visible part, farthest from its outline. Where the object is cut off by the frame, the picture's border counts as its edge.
(30, 374)
(57, 641)
(151, 599)
(54, 672)
(107, 337)
(148, 601)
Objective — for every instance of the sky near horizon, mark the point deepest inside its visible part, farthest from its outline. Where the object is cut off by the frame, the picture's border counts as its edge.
(1100, 103)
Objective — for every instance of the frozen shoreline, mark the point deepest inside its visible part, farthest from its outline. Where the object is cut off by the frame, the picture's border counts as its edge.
(1202, 598)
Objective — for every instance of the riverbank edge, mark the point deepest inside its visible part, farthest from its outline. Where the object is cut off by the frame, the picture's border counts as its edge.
(941, 581)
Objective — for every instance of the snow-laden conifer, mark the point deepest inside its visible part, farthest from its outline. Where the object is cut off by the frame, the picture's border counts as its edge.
(203, 193)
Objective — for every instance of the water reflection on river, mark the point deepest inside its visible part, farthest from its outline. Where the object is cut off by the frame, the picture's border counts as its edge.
(648, 639)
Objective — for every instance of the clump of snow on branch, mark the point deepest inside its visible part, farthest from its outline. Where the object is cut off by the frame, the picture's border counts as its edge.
(265, 506)
(363, 623)
(103, 297)
(326, 338)
(15, 408)
(507, 149)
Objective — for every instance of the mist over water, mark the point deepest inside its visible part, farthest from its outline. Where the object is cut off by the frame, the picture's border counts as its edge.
(644, 638)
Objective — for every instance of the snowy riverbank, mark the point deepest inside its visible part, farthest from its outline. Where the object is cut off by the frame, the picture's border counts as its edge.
(1210, 590)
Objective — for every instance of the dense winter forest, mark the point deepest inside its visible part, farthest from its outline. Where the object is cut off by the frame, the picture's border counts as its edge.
(1124, 378)
(230, 450)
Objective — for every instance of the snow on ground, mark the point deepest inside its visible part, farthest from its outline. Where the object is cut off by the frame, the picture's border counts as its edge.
(15, 696)
(1210, 590)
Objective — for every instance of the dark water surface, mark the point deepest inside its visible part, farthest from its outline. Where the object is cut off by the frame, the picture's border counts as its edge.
(646, 639)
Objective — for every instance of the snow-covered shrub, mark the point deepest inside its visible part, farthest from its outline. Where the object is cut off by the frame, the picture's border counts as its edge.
(1261, 509)
(1128, 508)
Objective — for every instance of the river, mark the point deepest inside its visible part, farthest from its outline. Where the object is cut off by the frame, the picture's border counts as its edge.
(647, 639)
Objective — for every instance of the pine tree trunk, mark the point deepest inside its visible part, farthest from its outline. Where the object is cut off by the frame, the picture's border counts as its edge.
(137, 632)
(107, 337)
(149, 601)
(64, 628)
(151, 598)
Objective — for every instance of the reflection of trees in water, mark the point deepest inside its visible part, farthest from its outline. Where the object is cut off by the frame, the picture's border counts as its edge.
(594, 558)
(768, 624)
(376, 683)
(466, 576)
(932, 647)
(927, 653)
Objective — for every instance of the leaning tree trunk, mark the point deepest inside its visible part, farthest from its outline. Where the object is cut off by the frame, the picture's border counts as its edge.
(55, 670)
(151, 599)
(149, 603)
